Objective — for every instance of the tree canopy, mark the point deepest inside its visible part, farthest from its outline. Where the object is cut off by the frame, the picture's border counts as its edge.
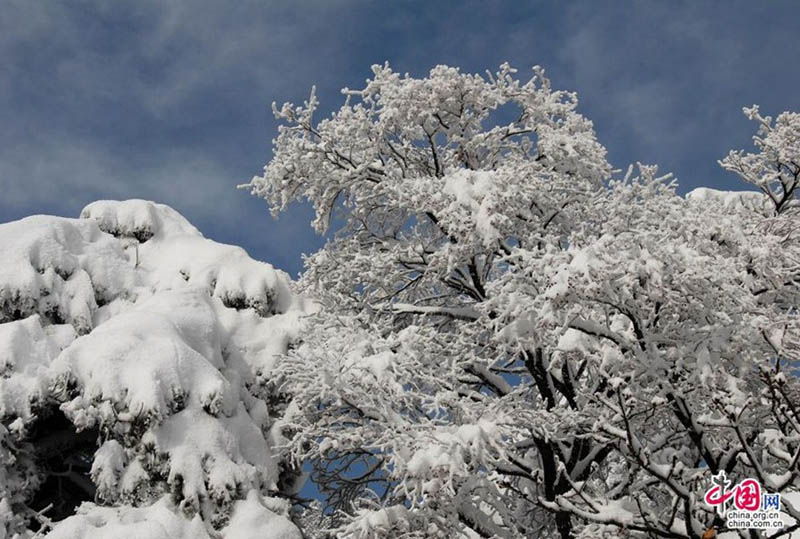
(514, 339)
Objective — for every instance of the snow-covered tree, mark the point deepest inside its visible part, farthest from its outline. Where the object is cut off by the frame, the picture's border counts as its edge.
(512, 342)
(135, 360)
(775, 169)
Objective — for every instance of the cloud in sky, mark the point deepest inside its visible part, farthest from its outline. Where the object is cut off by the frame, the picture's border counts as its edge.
(169, 100)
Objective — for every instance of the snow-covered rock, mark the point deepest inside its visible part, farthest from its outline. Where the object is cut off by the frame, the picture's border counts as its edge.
(128, 330)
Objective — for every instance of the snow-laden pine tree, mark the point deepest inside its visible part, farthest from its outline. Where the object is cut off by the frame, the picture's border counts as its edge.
(135, 358)
(513, 343)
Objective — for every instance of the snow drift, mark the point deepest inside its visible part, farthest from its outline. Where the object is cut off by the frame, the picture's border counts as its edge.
(135, 358)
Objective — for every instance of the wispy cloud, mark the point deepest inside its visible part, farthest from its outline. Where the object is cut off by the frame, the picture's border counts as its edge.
(169, 100)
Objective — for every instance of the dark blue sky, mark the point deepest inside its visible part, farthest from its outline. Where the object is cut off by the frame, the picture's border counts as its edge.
(169, 101)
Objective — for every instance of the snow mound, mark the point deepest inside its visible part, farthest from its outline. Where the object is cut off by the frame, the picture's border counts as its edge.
(138, 219)
(171, 250)
(254, 515)
(254, 518)
(158, 521)
(130, 326)
(60, 269)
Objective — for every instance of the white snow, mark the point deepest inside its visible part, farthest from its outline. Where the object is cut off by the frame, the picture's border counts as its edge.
(59, 268)
(26, 347)
(137, 324)
(255, 515)
(475, 191)
(752, 200)
(158, 521)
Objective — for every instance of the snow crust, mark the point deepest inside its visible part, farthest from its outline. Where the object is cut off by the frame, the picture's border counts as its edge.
(133, 323)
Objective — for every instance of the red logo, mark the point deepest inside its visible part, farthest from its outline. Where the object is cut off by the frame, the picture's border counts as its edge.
(746, 495)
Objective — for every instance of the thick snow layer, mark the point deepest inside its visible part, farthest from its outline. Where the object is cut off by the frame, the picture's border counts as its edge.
(752, 200)
(253, 518)
(59, 268)
(255, 515)
(170, 250)
(159, 521)
(134, 324)
(138, 219)
(24, 361)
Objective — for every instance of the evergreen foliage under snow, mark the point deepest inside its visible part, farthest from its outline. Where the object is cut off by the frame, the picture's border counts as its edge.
(135, 358)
